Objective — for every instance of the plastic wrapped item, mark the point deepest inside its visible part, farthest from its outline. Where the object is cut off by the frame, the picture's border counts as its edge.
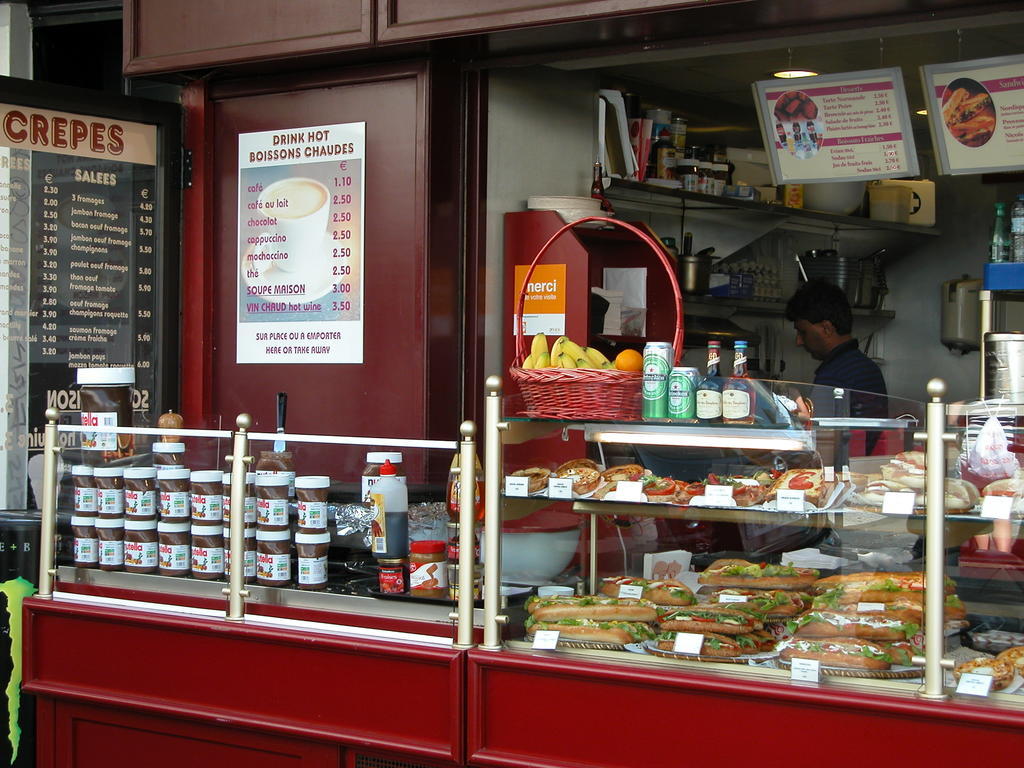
(354, 524)
(428, 521)
(995, 640)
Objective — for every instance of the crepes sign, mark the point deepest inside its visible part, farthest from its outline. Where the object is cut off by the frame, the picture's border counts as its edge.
(976, 114)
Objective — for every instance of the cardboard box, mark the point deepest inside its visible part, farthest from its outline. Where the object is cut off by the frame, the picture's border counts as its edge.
(734, 286)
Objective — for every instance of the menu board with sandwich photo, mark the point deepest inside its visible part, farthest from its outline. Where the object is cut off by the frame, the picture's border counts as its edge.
(976, 114)
(852, 126)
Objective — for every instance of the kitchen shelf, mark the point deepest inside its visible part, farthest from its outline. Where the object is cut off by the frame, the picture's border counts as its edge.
(752, 307)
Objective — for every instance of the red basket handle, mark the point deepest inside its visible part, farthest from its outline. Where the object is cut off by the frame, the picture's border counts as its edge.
(677, 340)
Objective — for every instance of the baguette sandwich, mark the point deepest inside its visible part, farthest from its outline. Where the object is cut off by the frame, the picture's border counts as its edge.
(846, 652)
(664, 592)
(596, 607)
(875, 625)
(741, 573)
(619, 632)
(707, 618)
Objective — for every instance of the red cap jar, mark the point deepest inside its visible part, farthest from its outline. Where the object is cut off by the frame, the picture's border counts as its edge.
(428, 576)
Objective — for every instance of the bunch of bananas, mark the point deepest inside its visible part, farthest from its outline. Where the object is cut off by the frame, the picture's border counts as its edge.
(564, 353)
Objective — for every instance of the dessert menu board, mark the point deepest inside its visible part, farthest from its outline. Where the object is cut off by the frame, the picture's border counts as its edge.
(853, 126)
(78, 241)
(300, 245)
(976, 114)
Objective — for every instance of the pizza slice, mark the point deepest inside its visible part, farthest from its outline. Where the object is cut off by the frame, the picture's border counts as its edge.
(810, 481)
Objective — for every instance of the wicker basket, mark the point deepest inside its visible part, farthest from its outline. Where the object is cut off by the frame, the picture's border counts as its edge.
(586, 393)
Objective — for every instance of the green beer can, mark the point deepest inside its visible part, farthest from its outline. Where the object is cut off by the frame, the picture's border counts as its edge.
(658, 358)
(682, 394)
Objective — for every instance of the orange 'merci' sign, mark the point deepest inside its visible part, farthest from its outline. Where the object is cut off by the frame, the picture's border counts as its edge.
(544, 308)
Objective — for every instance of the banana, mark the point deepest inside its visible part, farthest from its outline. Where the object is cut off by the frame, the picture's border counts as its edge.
(539, 345)
(542, 361)
(528, 363)
(556, 348)
(564, 361)
(571, 348)
(584, 362)
(597, 360)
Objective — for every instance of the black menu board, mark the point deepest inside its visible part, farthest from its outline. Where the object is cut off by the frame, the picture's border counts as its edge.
(85, 220)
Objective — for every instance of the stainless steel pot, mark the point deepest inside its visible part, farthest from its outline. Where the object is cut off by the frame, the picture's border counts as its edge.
(695, 272)
(1004, 366)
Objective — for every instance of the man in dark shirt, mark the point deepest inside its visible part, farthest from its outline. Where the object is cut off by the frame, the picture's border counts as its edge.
(821, 316)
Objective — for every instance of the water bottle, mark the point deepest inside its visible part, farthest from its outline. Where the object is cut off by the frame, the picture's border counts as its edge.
(1017, 229)
(999, 247)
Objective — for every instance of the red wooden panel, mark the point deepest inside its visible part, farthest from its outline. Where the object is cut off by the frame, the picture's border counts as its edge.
(711, 712)
(279, 681)
(89, 736)
(186, 34)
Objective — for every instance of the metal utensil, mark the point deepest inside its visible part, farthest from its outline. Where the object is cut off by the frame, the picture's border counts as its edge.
(282, 411)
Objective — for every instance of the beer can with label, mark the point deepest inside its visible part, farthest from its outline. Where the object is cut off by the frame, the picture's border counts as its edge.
(682, 390)
(658, 359)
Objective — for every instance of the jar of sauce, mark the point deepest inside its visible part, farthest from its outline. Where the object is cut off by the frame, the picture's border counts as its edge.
(686, 170)
(371, 472)
(272, 501)
(427, 574)
(311, 556)
(105, 400)
(87, 546)
(86, 504)
(248, 554)
(207, 552)
(169, 455)
(110, 533)
(391, 575)
(452, 550)
(273, 462)
(453, 581)
(454, 490)
(719, 177)
(250, 498)
(109, 491)
(207, 496)
(311, 492)
(140, 492)
(175, 494)
(140, 546)
(273, 558)
(174, 551)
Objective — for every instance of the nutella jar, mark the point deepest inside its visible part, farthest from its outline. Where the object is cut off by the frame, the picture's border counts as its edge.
(110, 534)
(374, 461)
(427, 574)
(109, 491)
(169, 455)
(140, 492)
(311, 492)
(175, 490)
(248, 554)
(87, 547)
(207, 496)
(273, 558)
(140, 546)
(86, 504)
(391, 575)
(277, 462)
(311, 556)
(250, 498)
(207, 552)
(105, 400)
(272, 501)
(174, 550)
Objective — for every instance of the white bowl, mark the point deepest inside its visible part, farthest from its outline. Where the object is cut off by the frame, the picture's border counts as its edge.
(842, 197)
(568, 207)
(536, 557)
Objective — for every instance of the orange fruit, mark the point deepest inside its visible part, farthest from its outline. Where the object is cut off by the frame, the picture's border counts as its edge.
(629, 360)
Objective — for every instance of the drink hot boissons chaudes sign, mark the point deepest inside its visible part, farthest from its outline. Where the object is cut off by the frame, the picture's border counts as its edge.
(300, 245)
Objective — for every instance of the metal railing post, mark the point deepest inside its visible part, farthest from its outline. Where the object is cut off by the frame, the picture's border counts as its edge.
(48, 523)
(240, 461)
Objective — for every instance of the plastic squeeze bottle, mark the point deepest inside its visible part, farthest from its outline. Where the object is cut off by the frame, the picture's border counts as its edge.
(390, 500)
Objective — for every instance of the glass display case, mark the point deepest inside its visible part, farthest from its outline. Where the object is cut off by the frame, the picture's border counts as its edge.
(798, 546)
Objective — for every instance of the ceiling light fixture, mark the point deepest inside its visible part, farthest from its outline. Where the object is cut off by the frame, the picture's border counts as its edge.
(791, 73)
(921, 112)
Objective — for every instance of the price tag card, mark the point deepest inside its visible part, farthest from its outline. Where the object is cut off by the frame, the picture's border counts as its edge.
(829, 474)
(846, 473)
(631, 591)
(898, 503)
(517, 486)
(720, 495)
(688, 642)
(545, 639)
(868, 607)
(630, 490)
(789, 501)
(732, 598)
(560, 488)
(805, 669)
(997, 507)
(974, 685)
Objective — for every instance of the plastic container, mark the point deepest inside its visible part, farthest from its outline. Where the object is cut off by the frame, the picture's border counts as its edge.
(106, 401)
(390, 499)
(890, 202)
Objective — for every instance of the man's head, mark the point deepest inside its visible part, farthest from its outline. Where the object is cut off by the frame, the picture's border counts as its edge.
(821, 316)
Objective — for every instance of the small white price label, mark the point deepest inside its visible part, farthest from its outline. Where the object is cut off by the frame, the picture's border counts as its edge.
(722, 494)
(732, 598)
(688, 642)
(898, 503)
(545, 639)
(805, 669)
(829, 474)
(997, 507)
(517, 486)
(789, 501)
(846, 473)
(974, 685)
(869, 607)
(625, 490)
(560, 488)
(631, 591)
